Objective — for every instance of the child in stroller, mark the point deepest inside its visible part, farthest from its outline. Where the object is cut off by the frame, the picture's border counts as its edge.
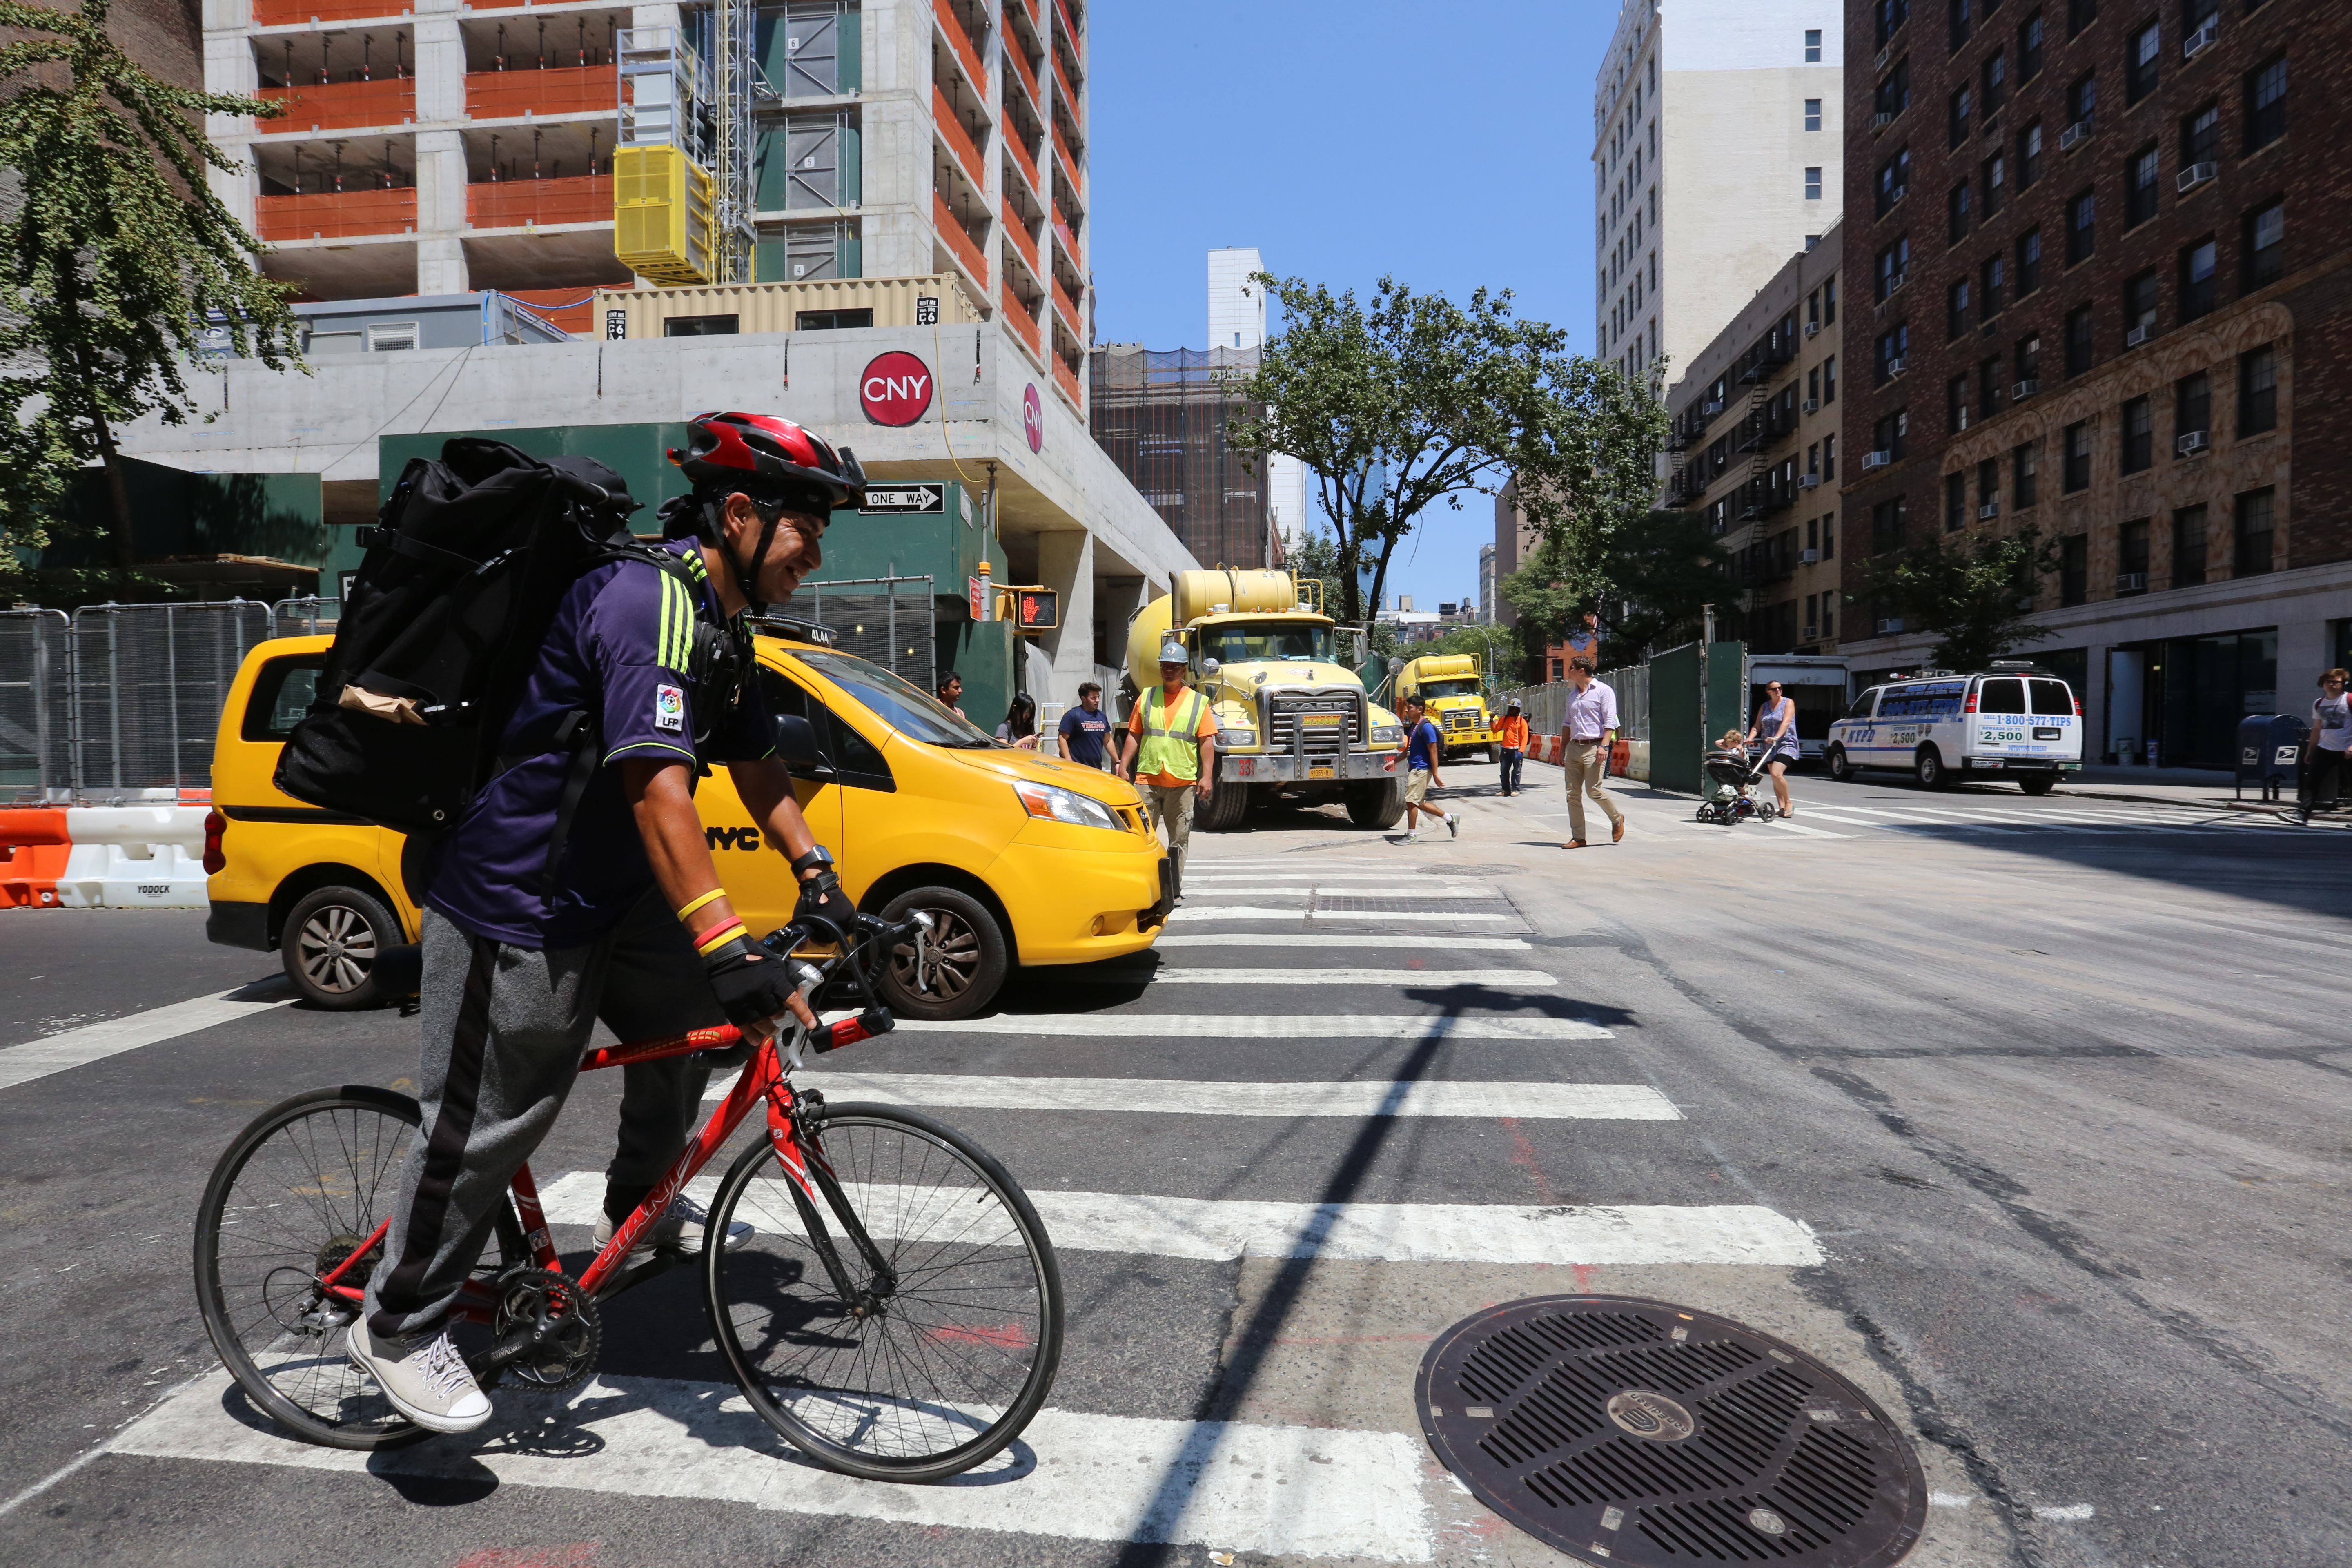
(1729, 779)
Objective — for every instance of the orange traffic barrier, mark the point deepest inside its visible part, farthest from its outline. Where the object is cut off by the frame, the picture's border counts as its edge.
(34, 846)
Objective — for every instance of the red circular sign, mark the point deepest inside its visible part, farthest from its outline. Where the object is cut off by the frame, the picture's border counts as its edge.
(1033, 416)
(895, 388)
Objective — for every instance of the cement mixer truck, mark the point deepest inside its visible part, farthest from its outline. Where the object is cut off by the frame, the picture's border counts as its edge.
(1450, 684)
(1294, 721)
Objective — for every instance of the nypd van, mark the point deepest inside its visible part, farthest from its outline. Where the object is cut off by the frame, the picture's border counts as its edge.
(2014, 722)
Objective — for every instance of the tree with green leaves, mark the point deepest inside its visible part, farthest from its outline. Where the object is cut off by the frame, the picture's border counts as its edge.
(1411, 400)
(1976, 596)
(116, 258)
(1658, 573)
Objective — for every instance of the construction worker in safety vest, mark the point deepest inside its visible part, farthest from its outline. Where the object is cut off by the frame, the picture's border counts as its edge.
(1169, 753)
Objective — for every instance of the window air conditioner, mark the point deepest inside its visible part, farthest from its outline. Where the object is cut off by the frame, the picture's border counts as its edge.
(1712, 408)
(1875, 460)
(2198, 42)
(1813, 329)
(2073, 136)
(1990, 509)
(1811, 406)
(1806, 558)
(2022, 389)
(1809, 483)
(1894, 368)
(1897, 282)
(2196, 175)
(2130, 581)
(2190, 442)
(1890, 625)
(2139, 335)
(1879, 63)
(1810, 633)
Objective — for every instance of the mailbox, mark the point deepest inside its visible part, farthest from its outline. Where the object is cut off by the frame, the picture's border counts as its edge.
(2270, 749)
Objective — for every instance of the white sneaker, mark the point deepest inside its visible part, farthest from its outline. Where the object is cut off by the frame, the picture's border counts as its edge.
(681, 1226)
(1453, 823)
(427, 1380)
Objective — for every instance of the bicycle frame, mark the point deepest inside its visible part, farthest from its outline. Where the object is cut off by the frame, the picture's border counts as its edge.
(765, 1076)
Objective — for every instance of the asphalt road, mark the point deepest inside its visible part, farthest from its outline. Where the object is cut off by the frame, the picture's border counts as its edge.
(2028, 1115)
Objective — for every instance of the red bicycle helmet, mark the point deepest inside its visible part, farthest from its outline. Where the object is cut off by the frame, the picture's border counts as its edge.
(767, 454)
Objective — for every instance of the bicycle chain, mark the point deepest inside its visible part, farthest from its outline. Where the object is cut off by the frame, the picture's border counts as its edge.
(564, 1356)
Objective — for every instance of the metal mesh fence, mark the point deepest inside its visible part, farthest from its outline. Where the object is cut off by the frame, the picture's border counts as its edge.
(148, 683)
(303, 617)
(886, 621)
(36, 706)
(1546, 705)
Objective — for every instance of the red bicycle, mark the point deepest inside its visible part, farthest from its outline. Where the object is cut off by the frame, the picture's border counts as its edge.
(897, 1313)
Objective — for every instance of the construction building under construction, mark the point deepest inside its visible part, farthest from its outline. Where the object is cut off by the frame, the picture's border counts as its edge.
(1163, 416)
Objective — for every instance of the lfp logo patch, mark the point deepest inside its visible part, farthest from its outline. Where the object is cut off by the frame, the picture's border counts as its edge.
(669, 709)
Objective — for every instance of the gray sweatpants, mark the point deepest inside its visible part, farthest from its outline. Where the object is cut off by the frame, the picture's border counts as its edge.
(504, 1030)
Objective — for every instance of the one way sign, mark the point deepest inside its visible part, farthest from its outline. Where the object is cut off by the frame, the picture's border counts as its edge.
(905, 497)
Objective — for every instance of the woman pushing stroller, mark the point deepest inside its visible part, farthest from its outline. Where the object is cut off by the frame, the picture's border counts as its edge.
(1776, 722)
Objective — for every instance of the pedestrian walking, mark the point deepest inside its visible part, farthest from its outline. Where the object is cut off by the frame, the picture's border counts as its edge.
(1423, 746)
(1020, 726)
(1588, 729)
(1511, 739)
(1086, 728)
(2325, 764)
(1169, 753)
(1776, 722)
(951, 691)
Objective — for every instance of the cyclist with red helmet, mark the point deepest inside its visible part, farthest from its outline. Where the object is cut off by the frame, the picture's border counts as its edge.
(578, 886)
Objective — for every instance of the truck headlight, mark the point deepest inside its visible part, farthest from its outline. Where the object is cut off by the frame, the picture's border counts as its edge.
(1386, 734)
(1238, 739)
(1067, 805)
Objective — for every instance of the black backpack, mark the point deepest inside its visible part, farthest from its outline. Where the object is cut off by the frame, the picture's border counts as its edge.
(465, 568)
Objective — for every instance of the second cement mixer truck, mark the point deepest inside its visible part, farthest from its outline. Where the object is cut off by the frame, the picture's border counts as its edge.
(1293, 719)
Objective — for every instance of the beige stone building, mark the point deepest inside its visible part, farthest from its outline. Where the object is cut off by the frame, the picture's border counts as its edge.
(1754, 448)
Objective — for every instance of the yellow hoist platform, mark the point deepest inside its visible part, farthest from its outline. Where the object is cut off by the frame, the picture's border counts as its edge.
(662, 215)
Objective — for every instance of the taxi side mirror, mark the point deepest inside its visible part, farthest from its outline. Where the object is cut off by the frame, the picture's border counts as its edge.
(796, 747)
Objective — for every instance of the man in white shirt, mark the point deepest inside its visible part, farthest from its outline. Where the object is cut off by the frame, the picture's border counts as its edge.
(2326, 753)
(1588, 730)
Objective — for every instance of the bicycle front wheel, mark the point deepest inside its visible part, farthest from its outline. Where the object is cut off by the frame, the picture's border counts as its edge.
(912, 1362)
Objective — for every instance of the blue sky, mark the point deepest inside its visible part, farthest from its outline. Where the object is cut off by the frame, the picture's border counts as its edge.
(1347, 141)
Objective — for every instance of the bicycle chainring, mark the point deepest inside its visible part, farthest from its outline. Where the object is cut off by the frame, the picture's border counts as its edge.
(564, 1355)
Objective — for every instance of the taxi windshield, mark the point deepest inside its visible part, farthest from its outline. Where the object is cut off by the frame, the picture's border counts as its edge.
(905, 707)
(1301, 642)
(1466, 687)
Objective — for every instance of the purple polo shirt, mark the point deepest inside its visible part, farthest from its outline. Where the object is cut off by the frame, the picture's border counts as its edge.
(1592, 712)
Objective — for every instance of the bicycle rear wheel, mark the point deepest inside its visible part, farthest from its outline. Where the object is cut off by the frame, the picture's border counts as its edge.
(304, 1184)
(918, 1371)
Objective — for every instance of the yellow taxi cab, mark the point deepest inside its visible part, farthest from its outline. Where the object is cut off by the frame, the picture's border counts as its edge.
(1018, 858)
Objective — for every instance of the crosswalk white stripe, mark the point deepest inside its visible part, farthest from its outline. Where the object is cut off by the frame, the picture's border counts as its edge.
(1220, 1229)
(95, 1042)
(1309, 1491)
(1395, 888)
(1193, 914)
(1417, 942)
(1804, 832)
(1528, 979)
(1260, 1026)
(1815, 812)
(1190, 1097)
(1194, 873)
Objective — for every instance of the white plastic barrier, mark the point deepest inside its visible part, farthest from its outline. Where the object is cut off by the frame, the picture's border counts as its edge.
(134, 857)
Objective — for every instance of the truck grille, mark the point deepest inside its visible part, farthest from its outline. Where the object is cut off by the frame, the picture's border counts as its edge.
(1314, 717)
(1463, 719)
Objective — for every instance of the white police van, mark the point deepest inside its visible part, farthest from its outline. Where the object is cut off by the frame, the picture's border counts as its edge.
(2012, 721)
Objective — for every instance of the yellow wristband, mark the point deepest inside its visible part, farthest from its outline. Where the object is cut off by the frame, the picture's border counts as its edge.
(715, 893)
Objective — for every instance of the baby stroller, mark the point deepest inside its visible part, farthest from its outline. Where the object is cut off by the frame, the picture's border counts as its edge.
(1729, 778)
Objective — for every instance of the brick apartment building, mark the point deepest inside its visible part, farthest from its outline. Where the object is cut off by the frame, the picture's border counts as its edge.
(2101, 265)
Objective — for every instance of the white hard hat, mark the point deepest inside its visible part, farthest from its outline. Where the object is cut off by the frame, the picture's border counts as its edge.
(1173, 652)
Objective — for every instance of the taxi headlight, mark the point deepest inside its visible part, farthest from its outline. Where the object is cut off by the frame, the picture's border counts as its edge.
(1066, 806)
(1386, 734)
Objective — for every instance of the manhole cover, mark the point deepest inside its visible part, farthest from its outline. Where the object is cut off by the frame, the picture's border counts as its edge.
(1624, 1431)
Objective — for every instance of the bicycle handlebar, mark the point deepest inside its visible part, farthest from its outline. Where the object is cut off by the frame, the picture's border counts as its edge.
(866, 929)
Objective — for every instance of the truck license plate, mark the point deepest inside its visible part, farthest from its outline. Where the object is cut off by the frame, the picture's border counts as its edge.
(1323, 770)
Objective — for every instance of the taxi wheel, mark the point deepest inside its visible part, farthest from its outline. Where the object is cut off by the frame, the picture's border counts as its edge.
(330, 944)
(963, 963)
(1841, 770)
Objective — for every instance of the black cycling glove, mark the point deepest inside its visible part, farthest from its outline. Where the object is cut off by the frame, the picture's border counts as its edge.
(751, 984)
(824, 909)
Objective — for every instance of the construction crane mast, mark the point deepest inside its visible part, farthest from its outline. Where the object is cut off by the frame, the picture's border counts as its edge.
(682, 195)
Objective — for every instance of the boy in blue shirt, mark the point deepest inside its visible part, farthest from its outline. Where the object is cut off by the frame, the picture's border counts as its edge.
(1086, 728)
(1422, 747)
